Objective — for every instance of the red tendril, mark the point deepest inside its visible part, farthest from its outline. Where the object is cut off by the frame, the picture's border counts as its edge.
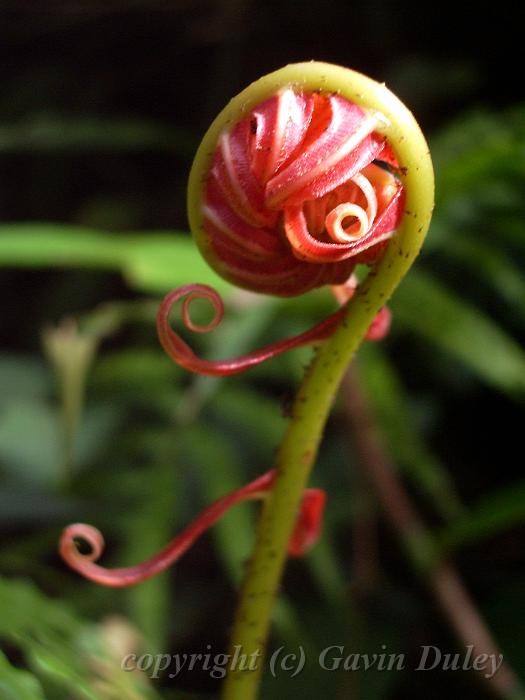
(305, 534)
(181, 353)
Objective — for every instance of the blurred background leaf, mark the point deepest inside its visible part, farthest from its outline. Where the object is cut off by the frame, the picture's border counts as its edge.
(151, 262)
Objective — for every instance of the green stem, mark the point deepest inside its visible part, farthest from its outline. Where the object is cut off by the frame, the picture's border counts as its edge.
(317, 392)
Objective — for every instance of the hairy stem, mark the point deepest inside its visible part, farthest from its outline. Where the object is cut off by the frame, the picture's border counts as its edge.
(315, 397)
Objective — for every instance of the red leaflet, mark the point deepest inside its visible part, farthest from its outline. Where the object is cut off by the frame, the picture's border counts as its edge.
(278, 126)
(228, 227)
(303, 538)
(339, 152)
(380, 326)
(296, 179)
(308, 525)
(232, 171)
(307, 247)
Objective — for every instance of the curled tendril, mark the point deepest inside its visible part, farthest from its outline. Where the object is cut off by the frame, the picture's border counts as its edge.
(305, 534)
(181, 353)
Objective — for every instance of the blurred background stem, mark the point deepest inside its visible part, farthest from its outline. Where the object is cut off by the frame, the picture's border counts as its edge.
(441, 578)
(71, 354)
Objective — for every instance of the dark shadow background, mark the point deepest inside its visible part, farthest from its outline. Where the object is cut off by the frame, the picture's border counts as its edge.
(176, 63)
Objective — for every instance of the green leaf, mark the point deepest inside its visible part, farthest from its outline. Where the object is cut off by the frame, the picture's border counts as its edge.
(149, 528)
(438, 314)
(479, 187)
(326, 568)
(157, 262)
(493, 514)
(256, 419)
(150, 261)
(131, 371)
(493, 266)
(476, 147)
(16, 684)
(25, 377)
(58, 245)
(220, 472)
(71, 656)
(401, 430)
(38, 459)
